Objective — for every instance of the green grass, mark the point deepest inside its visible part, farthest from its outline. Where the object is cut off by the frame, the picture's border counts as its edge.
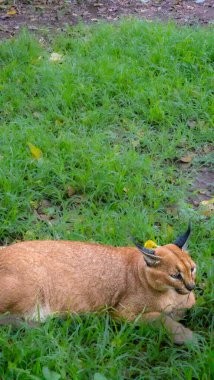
(111, 121)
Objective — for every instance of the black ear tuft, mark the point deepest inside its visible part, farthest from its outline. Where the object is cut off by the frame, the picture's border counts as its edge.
(182, 240)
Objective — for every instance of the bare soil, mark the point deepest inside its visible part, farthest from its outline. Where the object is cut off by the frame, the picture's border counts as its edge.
(202, 188)
(53, 14)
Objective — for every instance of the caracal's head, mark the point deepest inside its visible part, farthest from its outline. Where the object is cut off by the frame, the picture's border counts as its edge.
(170, 266)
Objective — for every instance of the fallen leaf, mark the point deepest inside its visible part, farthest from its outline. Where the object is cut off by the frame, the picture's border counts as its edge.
(186, 159)
(191, 123)
(208, 202)
(150, 244)
(37, 115)
(56, 57)
(140, 133)
(135, 143)
(34, 203)
(42, 41)
(172, 210)
(203, 192)
(58, 122)
(12, 11)
(36, 152)
(207, 207)
(70, 191)
(207, 148)
(42, 217)
(125, 189)
(209, 211)
(43, 205)
(32, 27)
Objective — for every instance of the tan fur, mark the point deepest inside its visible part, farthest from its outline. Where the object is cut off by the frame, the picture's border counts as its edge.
(39, 278)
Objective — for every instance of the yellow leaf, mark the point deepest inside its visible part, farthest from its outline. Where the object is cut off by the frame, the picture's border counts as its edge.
(150, 244)
(186, 159)
(11, 12)
(36, 152)
(207, 207)
(209, 202)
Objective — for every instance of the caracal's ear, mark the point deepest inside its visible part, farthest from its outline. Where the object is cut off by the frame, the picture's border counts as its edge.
(150, 257)
(182, 241)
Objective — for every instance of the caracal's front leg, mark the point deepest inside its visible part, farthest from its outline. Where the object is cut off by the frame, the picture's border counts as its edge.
(179, 333)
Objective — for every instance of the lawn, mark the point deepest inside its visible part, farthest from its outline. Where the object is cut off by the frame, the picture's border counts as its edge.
(90, 150)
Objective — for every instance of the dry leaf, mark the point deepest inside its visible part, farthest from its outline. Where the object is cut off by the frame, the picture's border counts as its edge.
(208, 202)
(36, 152)
(56, 57)
(125, 189)
(43, 217)
(150, 244)
(135, 143)
(186, 159)
(42, 41)
(207, 207)
(70, 191)
(12, 11)
(58, 122)
(207, 148)
(140, 133)
(208, 211)
(37, 115)
(191, 123)
(43, 205)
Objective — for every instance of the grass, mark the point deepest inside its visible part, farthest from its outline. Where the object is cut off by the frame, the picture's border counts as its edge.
(111, 120)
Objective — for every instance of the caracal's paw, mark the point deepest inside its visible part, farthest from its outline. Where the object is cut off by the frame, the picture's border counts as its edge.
(182, 335)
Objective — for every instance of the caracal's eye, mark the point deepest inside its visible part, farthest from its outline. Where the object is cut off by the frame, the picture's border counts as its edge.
(176, 276)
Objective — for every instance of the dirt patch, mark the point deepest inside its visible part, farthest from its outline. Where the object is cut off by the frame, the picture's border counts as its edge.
(53, 14)
(202, 188)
